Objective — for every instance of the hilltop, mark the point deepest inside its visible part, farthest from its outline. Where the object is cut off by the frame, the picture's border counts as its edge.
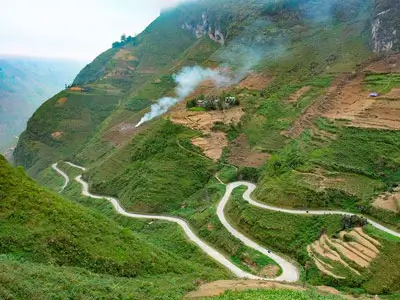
(300, 97)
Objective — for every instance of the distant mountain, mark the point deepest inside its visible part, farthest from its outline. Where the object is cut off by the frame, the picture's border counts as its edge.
(25, 83)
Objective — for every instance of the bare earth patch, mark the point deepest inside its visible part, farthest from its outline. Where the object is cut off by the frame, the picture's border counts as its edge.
(388, 201)
(269, 271)
(255, 81)
(297, 95)
(57, 135)
(124, 54)
(354, 104)
(240, 154)
(61, 101)
(387, 65)
(219, 287)
(212, 144)
(352, 246)
(76, 89)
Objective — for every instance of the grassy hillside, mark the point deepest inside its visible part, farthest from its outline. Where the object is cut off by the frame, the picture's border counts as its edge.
(44, 235)
(291, 234)
(308, 61)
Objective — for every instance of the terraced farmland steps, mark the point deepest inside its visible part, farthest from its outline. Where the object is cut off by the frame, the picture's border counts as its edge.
(290, 272)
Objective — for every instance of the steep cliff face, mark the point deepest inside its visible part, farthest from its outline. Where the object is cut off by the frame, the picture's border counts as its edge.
(386, 26)
(205, 28)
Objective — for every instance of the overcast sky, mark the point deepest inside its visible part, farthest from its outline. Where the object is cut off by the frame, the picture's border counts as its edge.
(78, 29)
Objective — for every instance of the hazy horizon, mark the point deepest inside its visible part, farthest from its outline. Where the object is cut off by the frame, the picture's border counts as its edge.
(73, 30)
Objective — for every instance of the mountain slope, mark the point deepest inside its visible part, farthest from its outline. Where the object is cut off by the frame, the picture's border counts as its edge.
(25, 83)
(305, 126)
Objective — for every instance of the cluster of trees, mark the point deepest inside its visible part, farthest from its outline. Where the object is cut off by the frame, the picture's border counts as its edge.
(126, 40)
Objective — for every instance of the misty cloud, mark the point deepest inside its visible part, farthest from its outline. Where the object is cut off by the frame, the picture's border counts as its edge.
(187, 81)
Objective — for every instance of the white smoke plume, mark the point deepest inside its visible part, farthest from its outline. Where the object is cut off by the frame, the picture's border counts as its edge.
(187, 81)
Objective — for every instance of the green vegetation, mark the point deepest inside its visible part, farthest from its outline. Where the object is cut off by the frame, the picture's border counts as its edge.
(382, 83)
(150, 176)
(275, 295)
(32, 281)
(46, 239)
(314, 164)
(199, 210)
(290, 235)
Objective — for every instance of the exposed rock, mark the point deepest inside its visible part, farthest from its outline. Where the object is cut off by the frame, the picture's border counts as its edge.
(204, 28)
(385, 26)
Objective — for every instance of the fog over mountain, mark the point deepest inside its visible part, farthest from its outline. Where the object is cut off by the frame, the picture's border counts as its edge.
(25, 83)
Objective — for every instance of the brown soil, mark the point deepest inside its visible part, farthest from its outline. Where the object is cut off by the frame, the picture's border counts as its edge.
(62, 101)
(322, 266)
(315, 109)
(269, 271)
(76, 89)
(57, 135)
(354, 104)
(361, 232)
(297, 95)
(349, 253)
(331, 253)
(363, 241)
(240, 154)
(360, 251)
(255, 81)
(219, 287)
(387, 65)
(212, 144)
(394, 94)
(346, 99)
(204, 121)
(388, 201)
(124, 54)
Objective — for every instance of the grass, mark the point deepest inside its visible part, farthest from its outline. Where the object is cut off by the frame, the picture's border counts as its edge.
(77, 119)
(382, 83)
(151, 173)
(48, 240)
(151, 177)
(199, 210)
(33, 281)
(290, 235)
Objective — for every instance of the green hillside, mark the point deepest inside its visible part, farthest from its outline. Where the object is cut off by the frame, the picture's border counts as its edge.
(307, 131)
(45, 236)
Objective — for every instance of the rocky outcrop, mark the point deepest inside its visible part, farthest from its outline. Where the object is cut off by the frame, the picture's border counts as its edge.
(204, 28)
(386, 26)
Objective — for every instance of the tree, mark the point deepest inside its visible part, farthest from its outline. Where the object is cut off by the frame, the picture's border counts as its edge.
(123, 38)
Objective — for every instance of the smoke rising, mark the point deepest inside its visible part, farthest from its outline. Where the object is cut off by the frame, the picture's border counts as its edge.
(187, 81)
(241, 55)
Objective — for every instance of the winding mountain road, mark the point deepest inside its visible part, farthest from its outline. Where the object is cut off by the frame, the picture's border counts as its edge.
(290, 272)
